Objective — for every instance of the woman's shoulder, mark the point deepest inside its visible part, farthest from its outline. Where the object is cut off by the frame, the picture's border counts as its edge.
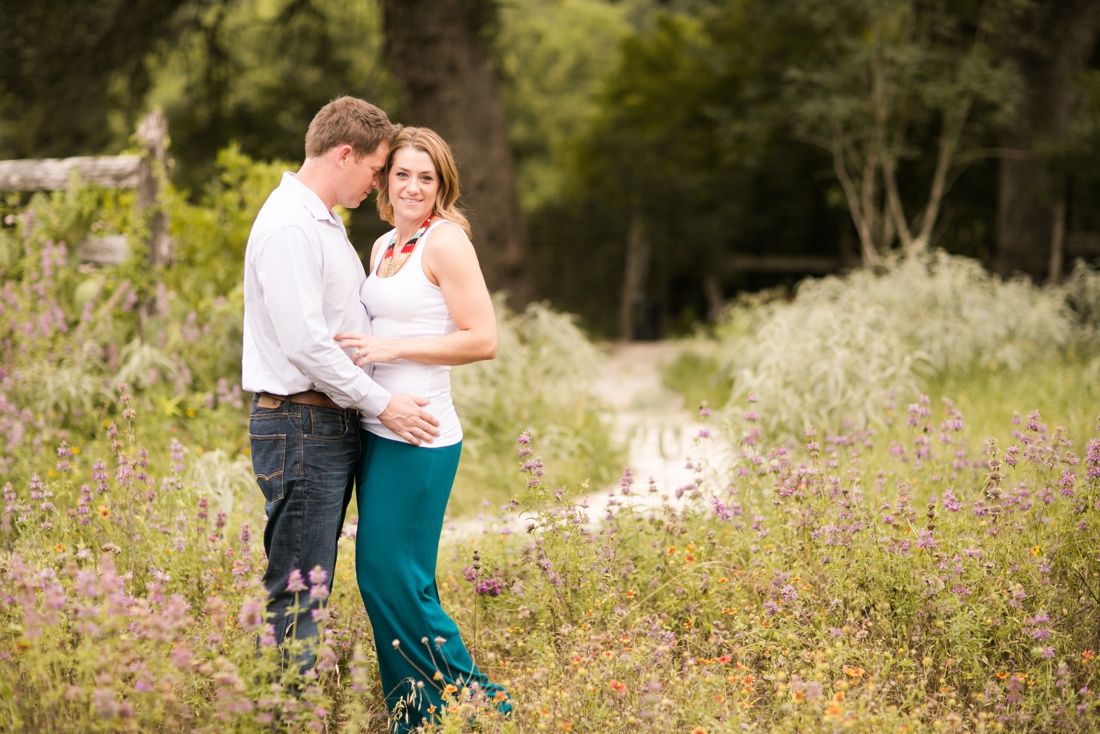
(445, 229)
(448, 251)
(447, 236)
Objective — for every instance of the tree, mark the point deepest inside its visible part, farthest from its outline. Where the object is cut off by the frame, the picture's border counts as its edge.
(1052, 51)
(889, 74)
(437, 50)
(554, 58)
(72, 75)
(254, 72)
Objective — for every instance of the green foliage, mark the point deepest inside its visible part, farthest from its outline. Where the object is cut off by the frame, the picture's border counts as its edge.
(181, 359)
(553, 57)
(73, 76)
(72, 332)
(846, 347)
(696, 373)
(540, 381)
(688, 150)
(1083, 297)
(873, 581)
(888, 86)
(254, 73)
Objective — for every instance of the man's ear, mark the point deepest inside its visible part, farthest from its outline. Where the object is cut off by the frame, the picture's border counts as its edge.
(343, 154)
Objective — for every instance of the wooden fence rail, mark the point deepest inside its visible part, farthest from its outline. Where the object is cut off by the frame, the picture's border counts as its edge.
(140, 172)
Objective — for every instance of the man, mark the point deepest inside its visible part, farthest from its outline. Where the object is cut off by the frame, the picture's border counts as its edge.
(301, 288)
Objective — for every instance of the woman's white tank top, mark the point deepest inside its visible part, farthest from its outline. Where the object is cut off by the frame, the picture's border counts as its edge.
(408, 305)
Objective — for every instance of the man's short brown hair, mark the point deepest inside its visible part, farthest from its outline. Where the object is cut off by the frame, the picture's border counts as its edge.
(348, 120)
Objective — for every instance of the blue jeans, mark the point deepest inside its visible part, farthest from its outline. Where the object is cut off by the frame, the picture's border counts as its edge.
(304, 458)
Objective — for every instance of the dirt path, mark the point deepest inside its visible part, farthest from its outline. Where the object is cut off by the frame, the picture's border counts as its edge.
(648, 416)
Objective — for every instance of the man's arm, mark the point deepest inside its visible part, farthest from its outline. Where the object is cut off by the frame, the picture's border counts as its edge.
(290, 275)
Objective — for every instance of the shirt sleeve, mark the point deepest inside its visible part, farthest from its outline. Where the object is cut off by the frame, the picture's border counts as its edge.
(289, 273)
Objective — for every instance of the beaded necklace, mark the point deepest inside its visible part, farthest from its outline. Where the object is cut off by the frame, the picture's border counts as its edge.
(390, 263)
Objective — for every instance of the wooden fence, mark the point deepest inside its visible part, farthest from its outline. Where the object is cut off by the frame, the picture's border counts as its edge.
(142, 172)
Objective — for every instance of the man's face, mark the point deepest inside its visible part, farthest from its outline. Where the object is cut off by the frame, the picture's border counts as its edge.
(360, 176)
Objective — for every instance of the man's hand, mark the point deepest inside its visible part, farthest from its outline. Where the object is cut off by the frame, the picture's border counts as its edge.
(368, 349)
(405, 416)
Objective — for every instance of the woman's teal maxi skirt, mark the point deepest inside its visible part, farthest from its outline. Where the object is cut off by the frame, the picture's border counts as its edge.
(402, 493)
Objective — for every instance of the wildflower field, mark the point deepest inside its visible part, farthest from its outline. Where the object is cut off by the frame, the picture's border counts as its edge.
(892, 523)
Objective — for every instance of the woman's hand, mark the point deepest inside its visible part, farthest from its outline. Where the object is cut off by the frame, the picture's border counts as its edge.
(368, 349)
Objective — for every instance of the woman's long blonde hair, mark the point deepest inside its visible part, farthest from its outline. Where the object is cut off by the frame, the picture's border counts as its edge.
(446, 200)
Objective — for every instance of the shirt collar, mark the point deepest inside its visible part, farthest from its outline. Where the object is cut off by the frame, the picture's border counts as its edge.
(308, 198)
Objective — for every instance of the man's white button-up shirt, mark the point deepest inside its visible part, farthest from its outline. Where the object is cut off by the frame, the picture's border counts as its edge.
(301, 288)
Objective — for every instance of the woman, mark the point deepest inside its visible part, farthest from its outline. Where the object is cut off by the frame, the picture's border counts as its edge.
(429, 309)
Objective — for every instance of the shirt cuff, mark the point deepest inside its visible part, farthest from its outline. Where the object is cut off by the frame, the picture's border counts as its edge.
(374, 402)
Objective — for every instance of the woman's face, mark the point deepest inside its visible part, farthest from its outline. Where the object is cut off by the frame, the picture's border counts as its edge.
(413, 184)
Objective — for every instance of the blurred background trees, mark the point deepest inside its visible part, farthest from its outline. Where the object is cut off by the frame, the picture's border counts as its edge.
(637, 162)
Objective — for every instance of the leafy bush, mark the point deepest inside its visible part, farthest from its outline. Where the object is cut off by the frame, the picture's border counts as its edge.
(847, 346)
(1083, 296)
(540, 381)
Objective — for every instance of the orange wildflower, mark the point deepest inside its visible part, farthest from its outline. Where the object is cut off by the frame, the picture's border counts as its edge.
(854, 672)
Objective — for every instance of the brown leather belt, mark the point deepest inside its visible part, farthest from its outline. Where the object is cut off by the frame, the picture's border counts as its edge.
(309, 397)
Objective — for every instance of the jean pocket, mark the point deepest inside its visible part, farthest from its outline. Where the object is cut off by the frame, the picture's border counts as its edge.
(269, 465)
(327, 424)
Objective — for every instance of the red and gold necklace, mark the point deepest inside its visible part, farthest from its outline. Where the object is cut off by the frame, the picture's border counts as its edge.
(391, 263)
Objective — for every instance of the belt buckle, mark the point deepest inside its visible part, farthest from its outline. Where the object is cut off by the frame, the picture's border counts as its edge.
(269, 401)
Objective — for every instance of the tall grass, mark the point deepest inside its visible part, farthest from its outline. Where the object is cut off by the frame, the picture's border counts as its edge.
(541, 381)
(915, 578)
(847, 349)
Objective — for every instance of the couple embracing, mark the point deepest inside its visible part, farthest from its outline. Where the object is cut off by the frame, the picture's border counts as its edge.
(350, 372)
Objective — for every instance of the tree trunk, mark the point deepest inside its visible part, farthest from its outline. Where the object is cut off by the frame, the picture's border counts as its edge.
(1058, 241)
(1064, 37)
(632, 307)
(448, 82)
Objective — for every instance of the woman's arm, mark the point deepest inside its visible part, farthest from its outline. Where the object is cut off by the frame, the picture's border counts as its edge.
(451, 263)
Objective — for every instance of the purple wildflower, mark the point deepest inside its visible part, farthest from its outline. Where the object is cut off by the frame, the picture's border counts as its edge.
(252, 614)
(295, 583)
(490, 586)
